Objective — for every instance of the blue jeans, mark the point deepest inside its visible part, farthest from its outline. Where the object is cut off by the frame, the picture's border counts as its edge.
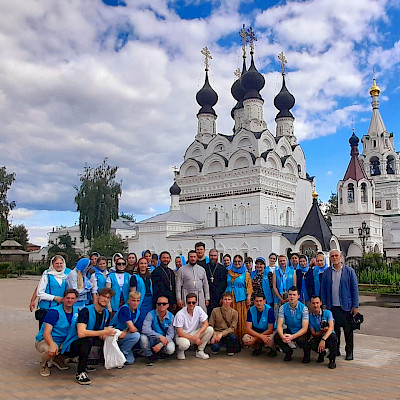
(230, 341)
(126, 344)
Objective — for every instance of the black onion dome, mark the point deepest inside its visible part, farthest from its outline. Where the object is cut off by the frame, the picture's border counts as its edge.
(237, 89)
(354, 140)
(253, 82)
(207, 98)
(284, 101)
(175, 189)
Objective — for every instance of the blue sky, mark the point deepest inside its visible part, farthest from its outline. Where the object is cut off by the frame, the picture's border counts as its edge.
(118, 80)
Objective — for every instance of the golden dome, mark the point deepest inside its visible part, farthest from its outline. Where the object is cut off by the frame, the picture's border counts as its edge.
(315, 194)
(375, 89)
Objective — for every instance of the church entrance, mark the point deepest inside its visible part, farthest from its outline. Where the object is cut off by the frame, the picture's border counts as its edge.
(309, 249)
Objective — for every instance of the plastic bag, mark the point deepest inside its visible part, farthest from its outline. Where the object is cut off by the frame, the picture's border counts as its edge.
(113, 356)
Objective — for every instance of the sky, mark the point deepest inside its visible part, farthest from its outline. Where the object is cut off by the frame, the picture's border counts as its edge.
(84, 80)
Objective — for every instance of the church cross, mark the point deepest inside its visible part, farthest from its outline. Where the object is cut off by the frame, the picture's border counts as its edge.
(207, 56)
(282, 57)
(245, 40)
(252, 39)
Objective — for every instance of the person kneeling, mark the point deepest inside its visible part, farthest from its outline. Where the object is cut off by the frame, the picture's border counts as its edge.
(260, 326)
(158, 332)
(125, 320)
(57, 325)
(192, 327)
(224, 321)
(323, 335)
(294, 315)
(91, 330)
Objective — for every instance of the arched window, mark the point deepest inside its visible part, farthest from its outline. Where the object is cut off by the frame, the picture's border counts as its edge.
(216, 218)
(375, 166)
(350, 193)
(390, 165)
(364, 197)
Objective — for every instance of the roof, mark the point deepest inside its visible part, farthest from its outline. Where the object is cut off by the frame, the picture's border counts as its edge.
(171, 216)
(10, 243)
(315, 225)
(122, 223)
(345, 244)
(355, 170)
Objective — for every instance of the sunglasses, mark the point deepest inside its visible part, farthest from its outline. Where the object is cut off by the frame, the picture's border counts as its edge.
(121, 263)
(162, 304)
(191, 302)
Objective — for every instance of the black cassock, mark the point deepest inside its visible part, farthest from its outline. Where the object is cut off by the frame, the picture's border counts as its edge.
(217, 281)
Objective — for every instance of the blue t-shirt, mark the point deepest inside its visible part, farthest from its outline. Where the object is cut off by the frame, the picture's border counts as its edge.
(52, 317)
(125, 315)
(271, 318)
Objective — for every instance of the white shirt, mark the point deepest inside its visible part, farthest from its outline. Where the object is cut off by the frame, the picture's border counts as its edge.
(188, 322)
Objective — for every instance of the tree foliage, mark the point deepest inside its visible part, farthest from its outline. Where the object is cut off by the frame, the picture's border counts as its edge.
(6, 180)
(97, 200)
(65, 246)
(20, 234)
(108, 244)
(127, 216)
(332, 208)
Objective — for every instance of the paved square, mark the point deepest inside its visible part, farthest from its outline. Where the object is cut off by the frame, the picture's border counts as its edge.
(374, 374)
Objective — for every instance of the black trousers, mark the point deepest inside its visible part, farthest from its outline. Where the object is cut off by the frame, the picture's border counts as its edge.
(81, 348)
(330, 343)
(301, 341)
(230, 341)
(343, 320)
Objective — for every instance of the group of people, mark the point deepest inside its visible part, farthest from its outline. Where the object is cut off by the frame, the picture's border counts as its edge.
(162, 308)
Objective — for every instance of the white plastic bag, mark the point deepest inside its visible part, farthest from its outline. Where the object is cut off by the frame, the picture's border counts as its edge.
(113, 356)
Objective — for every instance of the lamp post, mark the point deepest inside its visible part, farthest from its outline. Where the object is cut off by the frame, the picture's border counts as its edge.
(363, 234)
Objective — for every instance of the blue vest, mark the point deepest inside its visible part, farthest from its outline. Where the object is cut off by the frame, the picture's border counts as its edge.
(73, 334)
(115, 286)
(279, 280)
(269, 297)
(317, 280)
(141, 288)
(263, 323)
(309, 284)
(54, 288)
(101, 280)
(238, 287)
(294, 323)
(155, 326)
(116, 323)
(62, 327)
(314, 321)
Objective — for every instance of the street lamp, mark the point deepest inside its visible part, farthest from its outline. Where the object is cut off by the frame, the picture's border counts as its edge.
(363, 234)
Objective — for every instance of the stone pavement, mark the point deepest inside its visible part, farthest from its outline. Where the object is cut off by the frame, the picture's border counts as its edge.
(372, 375)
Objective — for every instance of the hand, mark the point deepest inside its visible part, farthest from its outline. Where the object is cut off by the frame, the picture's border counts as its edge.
(164, 340)
(32, 305)
(354, 310)
(287, 338)
(122, 335)
(217, 337)
(53, 350)
(196, 340)
(109, 331)
(58, 299)
(248, 302)
(251, 341)
(325, 329)
(179, 303)
(157, 347)
(321, 346)
(207, 303)
(267, 340)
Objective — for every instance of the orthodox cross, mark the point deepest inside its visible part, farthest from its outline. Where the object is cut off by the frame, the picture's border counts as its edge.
(207, 56)
(251, 38)
(282, 57)
(245, 40)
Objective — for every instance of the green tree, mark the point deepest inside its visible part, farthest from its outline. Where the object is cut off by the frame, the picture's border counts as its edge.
(97, 200)
(107, 244)
(128, 216)
(64, 245)
(6, 180)
(332, 208)
(20, 234)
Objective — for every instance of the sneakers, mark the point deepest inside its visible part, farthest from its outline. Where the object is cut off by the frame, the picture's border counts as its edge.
(272, 353)
(151, 360)
(90, 368)
(257, 352)
(180, 355)
(321, 357)
(83, 378)
(203, 356)
(349, 356)
(306, 359)
(229, 354)
(58, 362)
(332, 364)
(288, 356)
(44, 369)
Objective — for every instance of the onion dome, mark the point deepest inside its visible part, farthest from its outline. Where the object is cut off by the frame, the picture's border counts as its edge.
(175, 189)
(252, 81)
(354, 140)
(207, 98)
(375, 89)
(284, 101)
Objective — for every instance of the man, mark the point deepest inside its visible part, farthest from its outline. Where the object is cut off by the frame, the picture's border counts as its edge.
(58, 323)
(163, 279)
(200, 248)
(91, 330)
(192, 327)
(125, 320)
(282, 280)
(192, 278)
(323, 336)
(158, 332)
(339, 293)
(294, 315)
(224, 321)
(216, 277)
(260, 326)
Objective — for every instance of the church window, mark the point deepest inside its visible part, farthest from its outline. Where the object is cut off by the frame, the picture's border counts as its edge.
(350, 193)
(388, 204)
(378, 204)
(216, 218)
(340, 196)
(375, 166)
(374, 144)
(299, 168)
(364, 197)
(351, 230)
(390, 165)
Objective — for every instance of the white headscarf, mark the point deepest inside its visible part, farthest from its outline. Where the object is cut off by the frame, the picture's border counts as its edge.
(56, 274)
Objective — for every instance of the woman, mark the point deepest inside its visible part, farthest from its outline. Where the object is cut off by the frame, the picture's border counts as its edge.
(99, 277)
(114, 260)
(51, 287)
(239, 284)
(77, 279)
(118, 280)
(319, 269)
(131, 266)
(227, 260)
(142, 283)
(267, 284)
(257, 281)
(305, 280)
